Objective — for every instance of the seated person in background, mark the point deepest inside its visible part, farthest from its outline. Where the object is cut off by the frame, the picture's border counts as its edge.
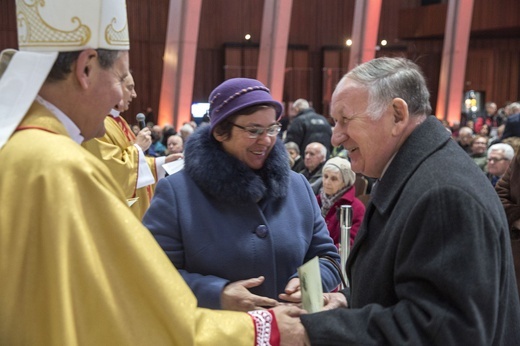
(236, 221)
(156, 148)
(496, 136)
(485, 130)
(478, 151)
(465, 138)
(186, 131)
(158, 131)
(294, 153)
(455, 128)
(175, 144)
(315, 156)
(499, 157)
(135, 129)
(168, 130)
(512, 128)
(337, 190)
(508, 189)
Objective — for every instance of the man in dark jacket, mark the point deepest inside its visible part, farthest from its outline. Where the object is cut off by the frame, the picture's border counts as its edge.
(308, 127)
(512, 128)
(508, 189)
(431, 263)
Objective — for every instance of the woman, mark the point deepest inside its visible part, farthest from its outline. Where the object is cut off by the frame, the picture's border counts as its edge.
(337, 190)
(236, 221)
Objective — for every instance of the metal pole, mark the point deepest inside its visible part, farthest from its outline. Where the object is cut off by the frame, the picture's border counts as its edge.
(345, 221)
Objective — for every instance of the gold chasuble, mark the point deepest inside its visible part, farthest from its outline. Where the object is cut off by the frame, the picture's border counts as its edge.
(77, 267)
(117, 151)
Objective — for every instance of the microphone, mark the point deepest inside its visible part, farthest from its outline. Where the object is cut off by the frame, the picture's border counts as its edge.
(140, 117)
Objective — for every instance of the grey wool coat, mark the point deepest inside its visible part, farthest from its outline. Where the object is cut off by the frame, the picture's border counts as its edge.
(431, 264)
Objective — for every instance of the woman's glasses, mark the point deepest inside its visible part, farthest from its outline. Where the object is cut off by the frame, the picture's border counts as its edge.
(256, 131)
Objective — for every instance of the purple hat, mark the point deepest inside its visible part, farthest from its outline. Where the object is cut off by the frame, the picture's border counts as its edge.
(236, 94)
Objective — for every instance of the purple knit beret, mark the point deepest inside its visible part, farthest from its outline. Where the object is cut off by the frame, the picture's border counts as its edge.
(236, 94)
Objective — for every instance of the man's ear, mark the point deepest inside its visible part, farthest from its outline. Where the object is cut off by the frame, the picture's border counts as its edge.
(84, 67)
(400, 115)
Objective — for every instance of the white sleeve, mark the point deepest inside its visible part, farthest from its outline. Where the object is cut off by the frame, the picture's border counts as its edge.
(144, 173)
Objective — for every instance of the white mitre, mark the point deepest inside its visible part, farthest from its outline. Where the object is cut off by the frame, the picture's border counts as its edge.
(45, 28)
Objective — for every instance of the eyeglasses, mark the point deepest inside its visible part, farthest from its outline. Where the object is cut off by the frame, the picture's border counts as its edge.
(494, 159)
(256, 131)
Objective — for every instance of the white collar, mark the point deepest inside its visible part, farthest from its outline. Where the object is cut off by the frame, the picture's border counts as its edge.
(114, 113)
(73, 131)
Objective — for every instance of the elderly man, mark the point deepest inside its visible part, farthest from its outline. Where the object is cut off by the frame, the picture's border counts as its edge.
(478, 151)
(465, 138)
(431, 263)
(175, 144)
(499, 157)
(315, 157)
(77, 267)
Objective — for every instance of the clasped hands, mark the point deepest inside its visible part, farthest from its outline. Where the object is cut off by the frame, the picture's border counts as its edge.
(236, 296)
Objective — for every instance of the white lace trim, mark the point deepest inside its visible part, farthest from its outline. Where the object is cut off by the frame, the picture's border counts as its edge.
(263, 320)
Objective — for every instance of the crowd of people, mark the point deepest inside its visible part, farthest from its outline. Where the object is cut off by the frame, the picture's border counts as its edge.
(487, 142)
(100, 246)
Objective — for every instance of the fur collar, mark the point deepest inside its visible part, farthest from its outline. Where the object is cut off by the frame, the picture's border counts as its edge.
(228, 179)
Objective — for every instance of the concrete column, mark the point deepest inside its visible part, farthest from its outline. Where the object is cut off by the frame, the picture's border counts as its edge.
(364, 31)
(453, 63)
(179, 62)
(276, 23)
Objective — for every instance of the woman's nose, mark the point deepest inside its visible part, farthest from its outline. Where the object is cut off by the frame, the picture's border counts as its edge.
(265, 139)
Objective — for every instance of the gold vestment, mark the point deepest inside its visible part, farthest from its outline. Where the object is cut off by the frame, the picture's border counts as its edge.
(77, 267)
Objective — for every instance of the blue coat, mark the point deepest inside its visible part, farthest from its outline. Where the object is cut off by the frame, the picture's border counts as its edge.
(431, 263)
(219, 221)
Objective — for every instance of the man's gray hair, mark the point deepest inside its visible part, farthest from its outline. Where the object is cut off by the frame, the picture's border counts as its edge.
(323, 149)
(507, 150)
(301, 104)
(292, 146)
(387, 78)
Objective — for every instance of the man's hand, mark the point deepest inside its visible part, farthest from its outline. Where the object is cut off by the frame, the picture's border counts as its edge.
(291, 329)
(292, 292)
(334, 301)
(144, 139)
(173, 157)
(236, 296)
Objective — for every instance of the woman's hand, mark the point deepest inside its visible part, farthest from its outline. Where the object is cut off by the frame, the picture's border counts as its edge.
(292, 292)
(236, 296)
